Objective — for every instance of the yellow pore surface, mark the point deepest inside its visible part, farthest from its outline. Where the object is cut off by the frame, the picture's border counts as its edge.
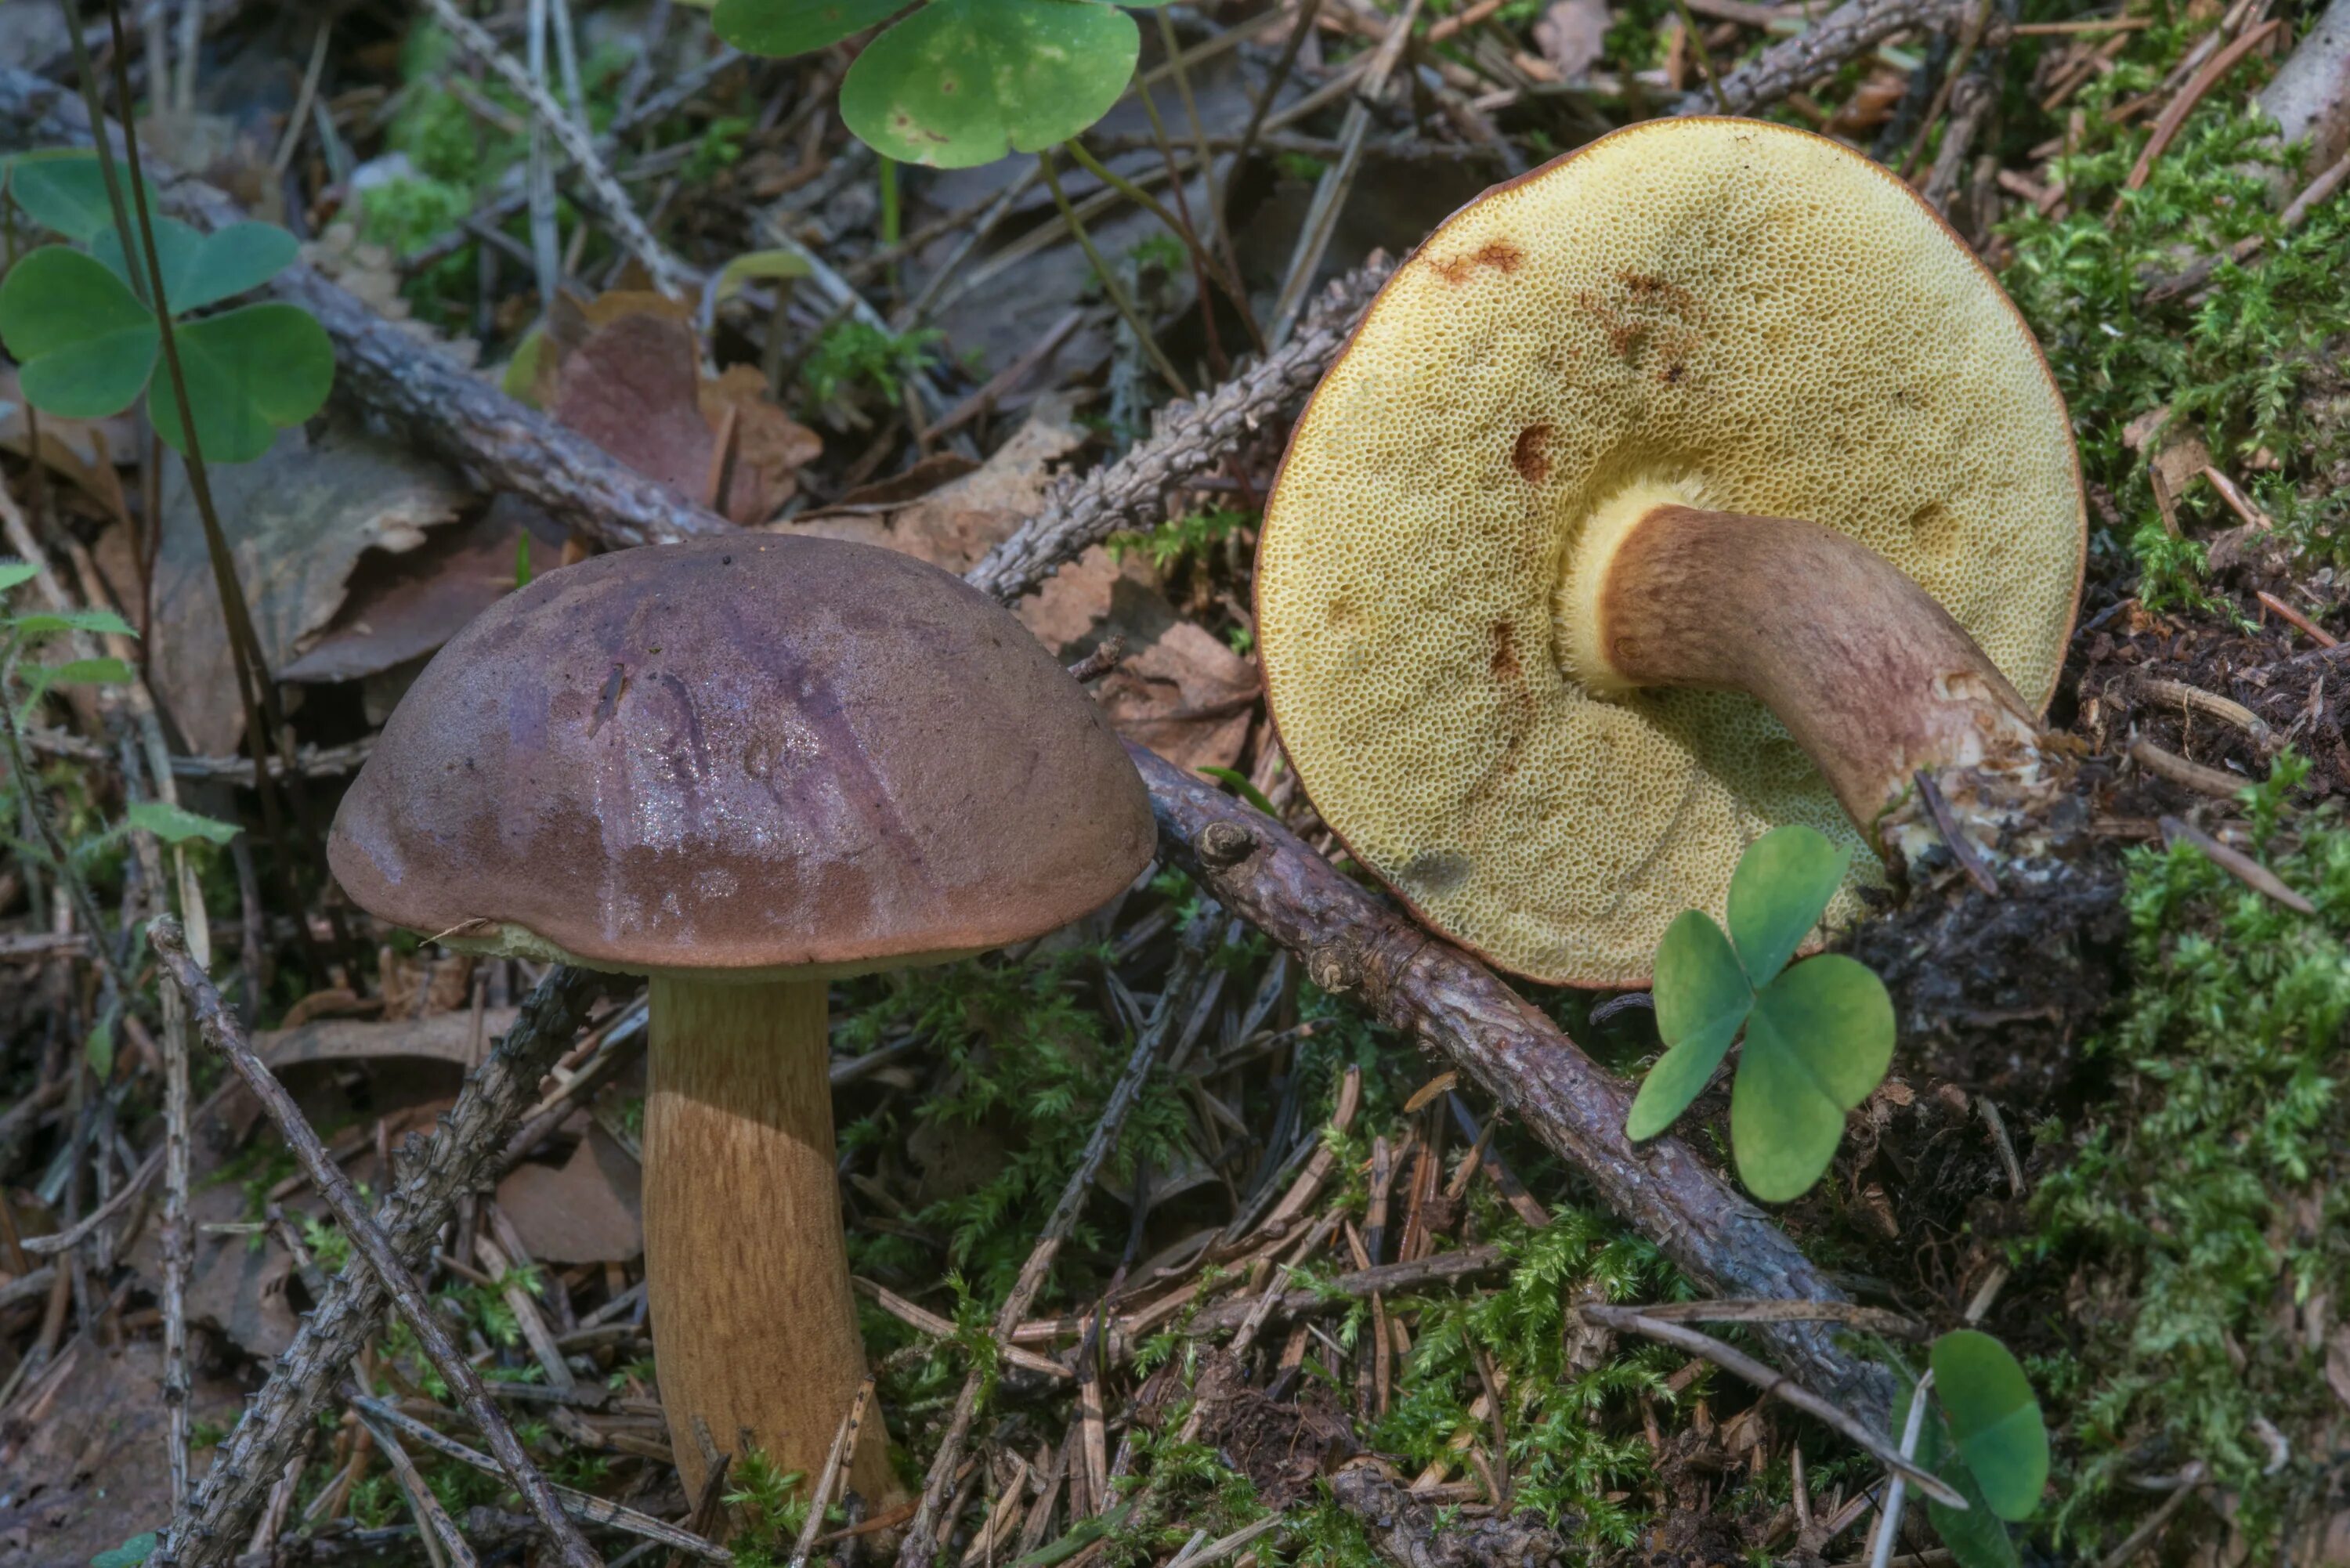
(1748, 317)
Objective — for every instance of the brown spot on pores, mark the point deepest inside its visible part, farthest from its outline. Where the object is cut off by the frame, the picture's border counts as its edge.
(1500, 254)
(1531, 455)
(1506, 652)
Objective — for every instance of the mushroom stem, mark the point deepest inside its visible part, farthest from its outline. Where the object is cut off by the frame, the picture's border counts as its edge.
(754, 1324)
(1873, 679)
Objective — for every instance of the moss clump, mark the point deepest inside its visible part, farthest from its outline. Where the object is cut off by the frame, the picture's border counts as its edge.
(2196, 1233)
(2234, 360)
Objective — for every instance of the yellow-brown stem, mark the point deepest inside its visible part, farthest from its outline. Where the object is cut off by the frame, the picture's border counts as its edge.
(754, 1323)
(1871, 676)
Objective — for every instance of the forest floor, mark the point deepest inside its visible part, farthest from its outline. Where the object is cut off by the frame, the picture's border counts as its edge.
(1320, 1302)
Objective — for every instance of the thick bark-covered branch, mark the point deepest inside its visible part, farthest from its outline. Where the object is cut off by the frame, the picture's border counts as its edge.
(1354, 945)
(1849, 30)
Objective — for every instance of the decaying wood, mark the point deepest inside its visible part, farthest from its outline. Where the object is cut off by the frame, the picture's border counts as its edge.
(1353, 945)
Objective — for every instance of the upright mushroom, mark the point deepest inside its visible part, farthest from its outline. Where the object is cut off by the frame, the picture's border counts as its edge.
(1698, 482)
(744, 767)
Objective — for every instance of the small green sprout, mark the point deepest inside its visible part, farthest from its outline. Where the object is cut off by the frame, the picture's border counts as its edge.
(78, 322)
(1819, 1036)
(957, 83)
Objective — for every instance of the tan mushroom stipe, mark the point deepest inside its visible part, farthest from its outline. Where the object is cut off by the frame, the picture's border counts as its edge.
(744, 766)
(1704, 323)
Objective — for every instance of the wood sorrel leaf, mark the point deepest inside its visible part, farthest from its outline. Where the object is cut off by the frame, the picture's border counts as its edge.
(1817, 1043)
(1781, 886)
(203, 269)
(1994, 1419)
(251, 372)
(64, 190)
(1701, 998)
(86, 343)
(963, 82)
(779, 28)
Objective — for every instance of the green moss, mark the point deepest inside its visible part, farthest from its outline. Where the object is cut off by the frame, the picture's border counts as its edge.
(2234, 366)
(2204, 1208)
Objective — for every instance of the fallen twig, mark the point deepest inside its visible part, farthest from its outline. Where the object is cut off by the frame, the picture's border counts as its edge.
(1174, 1002)
(1352, 944)
(280, 1414)
(1773, 1385)
(1849, 30)
(226, 1035)
(2236, 864)
(580, 1505)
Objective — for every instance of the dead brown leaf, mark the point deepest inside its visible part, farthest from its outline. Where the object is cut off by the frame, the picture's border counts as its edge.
(625, 371)
(81, 451)
(401, 608)
(588, 1210)
(1572, 36)
(297, 521)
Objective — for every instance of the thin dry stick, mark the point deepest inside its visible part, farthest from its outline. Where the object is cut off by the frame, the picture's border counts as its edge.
(1174, 1000)
(1849, 30)
(2235, 863)
(1889, 1522)
(226, 1035)
(1866, 1319)
(668, 274)
(1330, 191)
(433, 1522)
(2174, 113)
(594, 1511)
(2190, 1480)
(281, 1413)
(844, 1443)
(1773, 1385)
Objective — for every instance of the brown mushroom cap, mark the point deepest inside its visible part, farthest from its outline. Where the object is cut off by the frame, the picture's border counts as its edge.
(747, 754)
(1723, 314)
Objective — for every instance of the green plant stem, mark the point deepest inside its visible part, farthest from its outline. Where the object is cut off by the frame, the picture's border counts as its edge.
(892, 219)
(1217, 235)
(265, 723)
(1194, 249)
(1704, 57)
(1111, 286)
(1157, 209)
(70, 878)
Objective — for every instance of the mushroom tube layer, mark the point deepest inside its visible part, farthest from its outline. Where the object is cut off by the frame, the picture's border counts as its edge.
(1719, 315)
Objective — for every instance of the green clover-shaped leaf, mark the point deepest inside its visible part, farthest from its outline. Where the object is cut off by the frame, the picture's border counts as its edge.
(779, 28)
(63, 188)
(1817, 1043)
(1701, 998)
(177, 824)
(85, 342)
(251, 372)
(204, 269)
(962, 82)
(1781, 886)
(1975, 1536)
(130, 1554)
(1994, 1419)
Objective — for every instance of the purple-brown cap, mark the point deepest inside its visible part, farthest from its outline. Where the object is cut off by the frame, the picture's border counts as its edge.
(746, 754)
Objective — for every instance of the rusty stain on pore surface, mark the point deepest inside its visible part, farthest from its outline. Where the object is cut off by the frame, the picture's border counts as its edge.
(1531, 454)
(822, 753)
(1500, 254)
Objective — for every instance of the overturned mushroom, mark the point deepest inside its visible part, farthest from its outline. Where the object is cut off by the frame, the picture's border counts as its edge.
(1698, 483)
(744, 767)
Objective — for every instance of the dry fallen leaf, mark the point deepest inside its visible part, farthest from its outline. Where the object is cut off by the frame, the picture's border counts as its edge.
(588, 1210)
(625, 371)
(81, 451)
(401, 608)
(297, 521)
(1572, 36)
(956, 523)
